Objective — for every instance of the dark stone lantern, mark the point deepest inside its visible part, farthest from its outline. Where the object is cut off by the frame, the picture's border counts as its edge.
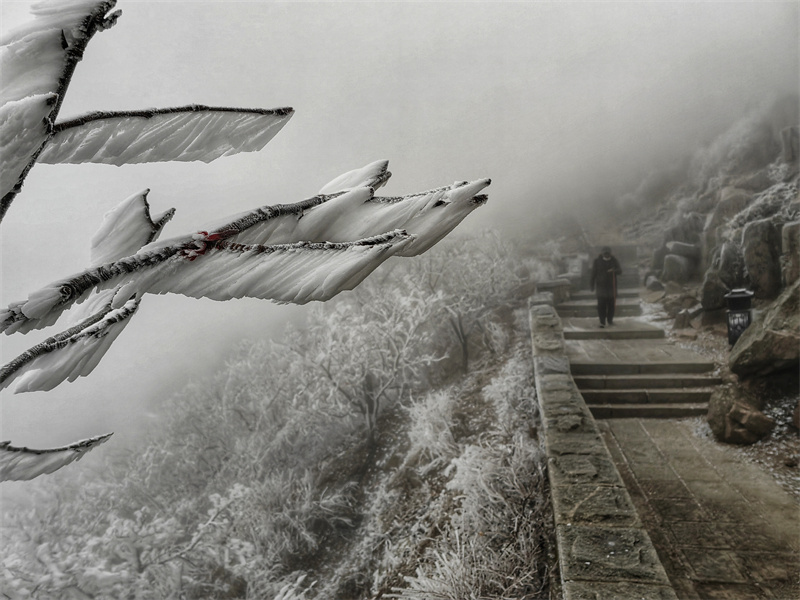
(739, 313)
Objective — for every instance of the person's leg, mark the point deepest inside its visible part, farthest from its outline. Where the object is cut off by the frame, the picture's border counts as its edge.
(610, 310)
(601, 309)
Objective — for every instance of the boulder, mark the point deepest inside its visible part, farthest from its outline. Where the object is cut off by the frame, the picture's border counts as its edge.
(735, 417)
(772, 342)
(676, 268)
(790, 253)
(658, 259)
(674, 303)
(730, 265)
(652, 283)
(751, 419)
(685, 227)
(682, 320)
(690, 251)
(652, 296)
(695, 310)
(731, 202)
(761, 249)
(713, 290)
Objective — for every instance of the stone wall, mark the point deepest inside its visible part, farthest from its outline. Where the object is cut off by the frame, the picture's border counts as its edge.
(604, 551)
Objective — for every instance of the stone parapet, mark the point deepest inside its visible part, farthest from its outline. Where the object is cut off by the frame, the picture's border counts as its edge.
(604, 551)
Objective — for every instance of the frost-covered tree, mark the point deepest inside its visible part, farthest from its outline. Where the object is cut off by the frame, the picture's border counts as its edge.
(296, 252)
(468, 311)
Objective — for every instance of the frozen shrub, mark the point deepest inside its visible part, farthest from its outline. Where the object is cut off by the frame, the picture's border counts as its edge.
(430, 431)
(511, 392)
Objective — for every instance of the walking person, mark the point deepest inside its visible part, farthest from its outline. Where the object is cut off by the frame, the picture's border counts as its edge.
(605, 271)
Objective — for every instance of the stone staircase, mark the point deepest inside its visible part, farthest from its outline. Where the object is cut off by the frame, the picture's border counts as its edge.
(583, 304)
(631, 370)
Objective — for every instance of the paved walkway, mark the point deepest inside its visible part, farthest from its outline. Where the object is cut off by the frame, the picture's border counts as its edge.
(722, 528)
(660, 355)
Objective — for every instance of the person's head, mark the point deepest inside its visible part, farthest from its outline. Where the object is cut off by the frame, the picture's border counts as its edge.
(605, 252)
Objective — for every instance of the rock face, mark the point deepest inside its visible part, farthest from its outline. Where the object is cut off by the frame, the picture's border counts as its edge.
(676, 268)
(731, 265)
(796, 416)
(658, 258)
(772, 343)
(690, 251)
(790, 259)
(761, 248)
(685, 227)
(712, 293)
(731, 201)
(754, 182)
(734, 417)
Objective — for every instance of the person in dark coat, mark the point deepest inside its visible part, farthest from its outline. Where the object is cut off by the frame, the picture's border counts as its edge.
(605, 271)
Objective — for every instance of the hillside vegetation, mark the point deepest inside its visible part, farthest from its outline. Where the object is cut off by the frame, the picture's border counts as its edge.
(389, 448)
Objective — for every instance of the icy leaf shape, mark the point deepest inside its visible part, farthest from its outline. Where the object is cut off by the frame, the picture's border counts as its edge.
(37, 61)
(126, 228)
(20, 464)
(373, 175)
(428, 215)
(71, 354)
(24, 127)
(36, 57)
(211, 267)
(357, 213)
(432, 215)
(77, 351)
(189, 133)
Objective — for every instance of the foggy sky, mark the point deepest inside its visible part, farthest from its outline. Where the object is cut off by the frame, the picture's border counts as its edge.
(556, 102)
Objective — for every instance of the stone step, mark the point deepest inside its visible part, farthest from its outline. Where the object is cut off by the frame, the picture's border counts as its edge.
(648, 411)
(627, 292)
(649, 382)
(612, 333)
(624, 328)
(628, 280)
(643, 397)
(635, 368)
(591, 302)
(626, 307)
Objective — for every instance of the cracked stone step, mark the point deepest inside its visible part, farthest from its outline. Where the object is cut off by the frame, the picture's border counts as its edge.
(641, 396)
(632, 292)
(626, 382)
(612, 333)
(648, 411)
(626, 307)
(624, 328)
(622, 368)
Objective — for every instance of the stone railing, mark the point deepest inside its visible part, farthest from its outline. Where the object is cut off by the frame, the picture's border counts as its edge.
(604, 552)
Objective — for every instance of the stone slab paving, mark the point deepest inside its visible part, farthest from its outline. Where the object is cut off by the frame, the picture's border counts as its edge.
(610, 352)
(722, 527)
